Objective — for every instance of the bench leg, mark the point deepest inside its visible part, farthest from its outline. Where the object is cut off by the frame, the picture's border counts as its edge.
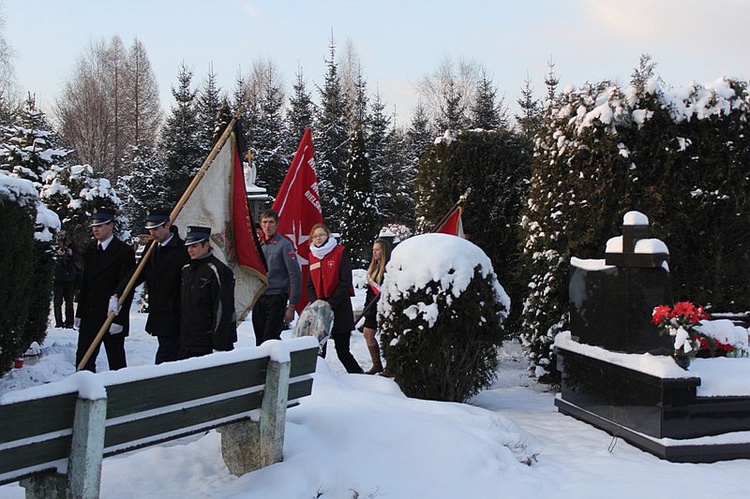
(247, 445)
(239, 447)
(48, 485)
(85, 462)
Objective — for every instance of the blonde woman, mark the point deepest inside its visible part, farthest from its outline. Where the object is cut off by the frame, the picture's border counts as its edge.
(381, 253)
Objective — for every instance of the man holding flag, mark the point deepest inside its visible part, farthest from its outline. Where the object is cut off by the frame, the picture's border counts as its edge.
(298, 206)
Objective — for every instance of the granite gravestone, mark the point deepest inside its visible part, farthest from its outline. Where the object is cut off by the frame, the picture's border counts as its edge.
(611, 300)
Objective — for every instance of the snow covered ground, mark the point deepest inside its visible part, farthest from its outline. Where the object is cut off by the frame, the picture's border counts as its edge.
(358, 436)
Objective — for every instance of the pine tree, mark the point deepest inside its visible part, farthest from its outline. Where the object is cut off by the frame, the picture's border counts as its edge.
(208, 101)
(385, 178)
(331, 144)
(143, 189)
(266, 135)
(486, 113)
(181, 139)
(359, 226)
(453, 112)
(530, 115)
(31, 148)
(302, 110)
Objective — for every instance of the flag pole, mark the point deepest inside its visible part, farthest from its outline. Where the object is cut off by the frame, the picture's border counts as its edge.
(461, 200)
(176, 211)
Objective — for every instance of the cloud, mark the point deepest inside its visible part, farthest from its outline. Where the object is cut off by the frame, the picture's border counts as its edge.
(250, 9)
(672, 21)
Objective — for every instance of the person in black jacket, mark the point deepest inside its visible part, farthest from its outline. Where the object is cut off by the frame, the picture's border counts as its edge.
(67, 257)
(208, 319)
(162, 275)
(108, 264)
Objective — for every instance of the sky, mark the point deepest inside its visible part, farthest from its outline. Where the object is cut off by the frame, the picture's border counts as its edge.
(358, 436)
(398, 42)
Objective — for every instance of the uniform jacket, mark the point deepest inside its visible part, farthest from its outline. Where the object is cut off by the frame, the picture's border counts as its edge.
(104, 274)
(331, 280)
(208, 315)
(162, 274)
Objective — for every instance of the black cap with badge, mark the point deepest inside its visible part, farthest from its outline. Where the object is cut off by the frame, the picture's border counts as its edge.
(157, 218)
(102, 216)
(197, 234)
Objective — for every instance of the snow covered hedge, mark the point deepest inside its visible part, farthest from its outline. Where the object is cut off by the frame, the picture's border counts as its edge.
(441, 313)
(678, 155)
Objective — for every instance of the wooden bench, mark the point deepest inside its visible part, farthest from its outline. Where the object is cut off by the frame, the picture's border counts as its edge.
(53, 437)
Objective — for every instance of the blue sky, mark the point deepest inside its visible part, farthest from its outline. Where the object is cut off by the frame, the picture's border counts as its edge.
(398, 43)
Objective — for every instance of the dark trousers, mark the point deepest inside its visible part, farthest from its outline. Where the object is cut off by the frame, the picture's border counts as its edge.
(343, 352)
(64, 291)
(114, 345)
(187, 353)
(169, 349)
(268, 317)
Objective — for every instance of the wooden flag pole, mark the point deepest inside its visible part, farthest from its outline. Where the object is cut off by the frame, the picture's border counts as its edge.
(176, 211)
(461, 200)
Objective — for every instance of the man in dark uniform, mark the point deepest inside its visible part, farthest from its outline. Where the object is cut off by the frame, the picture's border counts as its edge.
(108, 264)
(208, 320)
(161, 273)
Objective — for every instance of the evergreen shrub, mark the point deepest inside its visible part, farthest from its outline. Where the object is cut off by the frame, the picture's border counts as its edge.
(441, 316)
(16, 291)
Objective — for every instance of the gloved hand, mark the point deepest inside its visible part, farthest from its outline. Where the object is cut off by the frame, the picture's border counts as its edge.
(115, 328)
(76, 322)
(112, 307)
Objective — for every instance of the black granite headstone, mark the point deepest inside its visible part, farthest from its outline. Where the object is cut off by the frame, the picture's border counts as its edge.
(611, 303)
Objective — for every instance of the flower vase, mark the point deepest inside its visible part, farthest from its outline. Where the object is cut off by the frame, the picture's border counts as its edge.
(681, 358)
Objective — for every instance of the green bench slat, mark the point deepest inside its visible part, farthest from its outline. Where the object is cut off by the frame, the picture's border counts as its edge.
(156, 425)
(38, 416)
(299, 389)
(34, 454)
(303, 362)
(153, 393)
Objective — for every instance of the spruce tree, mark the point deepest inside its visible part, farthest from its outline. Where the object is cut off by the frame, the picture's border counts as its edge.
(385, 178)
(267, 136)
(31, 147)
(143, 189)
(181, 142)
(301, 111)
(331, 144)
(359, 226)
(207, 104)
(529, 117)
(486, 113)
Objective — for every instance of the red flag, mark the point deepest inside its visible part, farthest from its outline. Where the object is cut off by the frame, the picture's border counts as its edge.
(452, 223)
(219, 201)
(298, 206)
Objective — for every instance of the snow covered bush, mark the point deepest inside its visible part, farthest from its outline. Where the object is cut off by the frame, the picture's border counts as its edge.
(441, 316)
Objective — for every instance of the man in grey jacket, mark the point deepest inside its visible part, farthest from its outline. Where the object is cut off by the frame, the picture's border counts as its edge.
(275, 308)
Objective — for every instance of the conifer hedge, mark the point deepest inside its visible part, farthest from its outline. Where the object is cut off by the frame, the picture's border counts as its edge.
(17, 291)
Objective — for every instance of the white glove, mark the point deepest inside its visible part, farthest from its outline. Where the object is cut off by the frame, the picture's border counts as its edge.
(77, 322)
(112, 307)
(115, 328)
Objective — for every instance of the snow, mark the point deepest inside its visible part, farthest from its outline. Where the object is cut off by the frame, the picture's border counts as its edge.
(359, 436)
